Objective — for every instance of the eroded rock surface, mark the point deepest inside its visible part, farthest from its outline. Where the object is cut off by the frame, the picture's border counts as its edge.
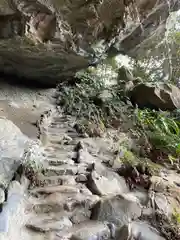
(165, 193)
(139, 230)
(12, 145)
(102, 185)
(117, 210)
(70, 35)
(164, 96)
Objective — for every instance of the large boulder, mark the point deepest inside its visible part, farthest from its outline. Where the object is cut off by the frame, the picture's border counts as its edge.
(102, 185)
(12, 145)
(165, 194)
(162, 96)
(15, 149)
(139, 230)
(50, 40)
(118, 210)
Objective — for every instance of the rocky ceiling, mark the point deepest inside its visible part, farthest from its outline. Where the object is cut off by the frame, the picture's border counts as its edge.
(49, 40)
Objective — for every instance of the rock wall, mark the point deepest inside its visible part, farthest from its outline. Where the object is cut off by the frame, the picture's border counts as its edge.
(49, 40)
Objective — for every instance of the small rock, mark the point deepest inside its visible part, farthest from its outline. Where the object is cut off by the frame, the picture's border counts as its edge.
(84, 190)
(81, 178)
(147, 212)
(67, 139)
(128, 86)
(80, 215)
(86, 157)
(82, 168)
(158, 184)
(2, 196)
(117, 210)
(101, 185)
(116, 164)
(125, 74)
(91, 230)
(90, 167)
(142, 196)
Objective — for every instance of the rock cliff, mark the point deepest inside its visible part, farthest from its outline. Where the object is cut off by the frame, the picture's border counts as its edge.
(47, 40)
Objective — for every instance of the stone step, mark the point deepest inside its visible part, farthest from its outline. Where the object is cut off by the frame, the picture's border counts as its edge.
(55, 129)
(46, 223)
(60, 136)
(55, 180)
(59, 147)
(85, 231)
(61, 154)
(60, 162)
(73, 135)
(61, 119)
(65, 169)
(65, 201)
(57, 188)
(59, 125)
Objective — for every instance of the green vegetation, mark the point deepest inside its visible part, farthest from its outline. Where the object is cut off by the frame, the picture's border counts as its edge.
(176, 217)
(143, 165)
(90, 97)
(162, 131)
(127, 157)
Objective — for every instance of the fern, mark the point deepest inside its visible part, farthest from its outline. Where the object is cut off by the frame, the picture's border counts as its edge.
(162, 130)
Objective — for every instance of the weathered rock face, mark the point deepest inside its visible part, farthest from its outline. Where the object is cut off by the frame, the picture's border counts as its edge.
(15, 149)
(70, 35)
(116, 210)
(163, 96)
(139, 230)
(12, 146)
(166, 193)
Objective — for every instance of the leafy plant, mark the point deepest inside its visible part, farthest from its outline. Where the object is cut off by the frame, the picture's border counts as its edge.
(90, 97)
(176, 216)
(162, 130)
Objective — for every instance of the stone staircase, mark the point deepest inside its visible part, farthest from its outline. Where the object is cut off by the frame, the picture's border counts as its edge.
(77, 197)
(61, 203)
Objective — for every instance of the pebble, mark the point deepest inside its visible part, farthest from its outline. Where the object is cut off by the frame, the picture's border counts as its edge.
(81, 178)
